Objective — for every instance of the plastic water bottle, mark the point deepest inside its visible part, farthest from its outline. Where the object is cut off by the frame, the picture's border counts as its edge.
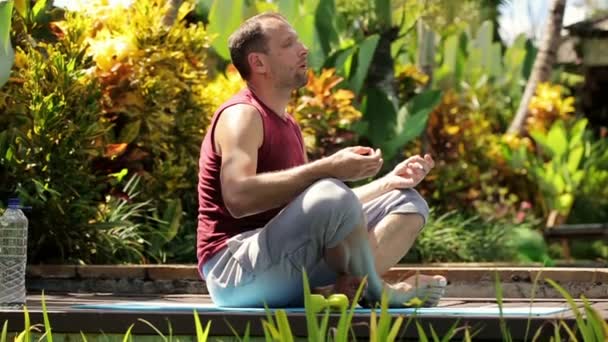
(13, 254)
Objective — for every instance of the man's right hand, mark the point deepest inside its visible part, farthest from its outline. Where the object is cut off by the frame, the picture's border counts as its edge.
(354, 163)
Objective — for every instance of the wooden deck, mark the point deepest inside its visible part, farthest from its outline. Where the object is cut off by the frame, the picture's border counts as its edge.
(66, 319)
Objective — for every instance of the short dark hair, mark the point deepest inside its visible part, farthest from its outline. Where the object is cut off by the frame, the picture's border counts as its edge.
(248, 38)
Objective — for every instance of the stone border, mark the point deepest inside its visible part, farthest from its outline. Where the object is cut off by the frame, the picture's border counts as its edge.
(119, 279)
(464, 281)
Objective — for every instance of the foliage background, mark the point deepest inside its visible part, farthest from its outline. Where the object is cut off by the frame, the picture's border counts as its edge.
(105, 109)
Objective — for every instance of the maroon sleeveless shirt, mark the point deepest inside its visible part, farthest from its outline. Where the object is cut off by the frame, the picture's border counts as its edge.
(282, 148)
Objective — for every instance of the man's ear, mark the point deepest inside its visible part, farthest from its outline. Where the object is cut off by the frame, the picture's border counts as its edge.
(257, 63)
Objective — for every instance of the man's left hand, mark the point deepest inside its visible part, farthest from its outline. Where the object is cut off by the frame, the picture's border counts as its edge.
(409, 172)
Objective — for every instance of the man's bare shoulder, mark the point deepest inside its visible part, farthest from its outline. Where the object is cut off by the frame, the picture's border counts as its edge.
(239, 122)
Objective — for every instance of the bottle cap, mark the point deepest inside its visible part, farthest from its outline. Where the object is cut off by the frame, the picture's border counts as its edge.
(14, 203)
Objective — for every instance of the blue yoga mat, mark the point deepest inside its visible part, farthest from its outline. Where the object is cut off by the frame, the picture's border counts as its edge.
(437, 311)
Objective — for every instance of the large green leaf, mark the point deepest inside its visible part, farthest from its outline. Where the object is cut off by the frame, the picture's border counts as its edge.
(172, 219)
(202, 9)
(309, 6)
(412, 118)
(380, 115)
(383, 13)
(130, 132)
(289, 9)
(577, 132)
(305, 26)
(342, 61)
(325, 23)
(574, 158)
(558, 139)
(22, 7)
(225, 16)
(365, 54)
(7, 54)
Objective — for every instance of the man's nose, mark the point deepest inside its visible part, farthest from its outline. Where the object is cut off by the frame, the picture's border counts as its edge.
(304, 52)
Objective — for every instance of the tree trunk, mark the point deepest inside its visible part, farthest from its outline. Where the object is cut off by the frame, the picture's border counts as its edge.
(541, 71)
(425, 62)
(381, 74)
(171, 10)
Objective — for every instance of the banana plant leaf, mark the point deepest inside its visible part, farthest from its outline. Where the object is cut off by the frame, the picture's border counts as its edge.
(7, 54)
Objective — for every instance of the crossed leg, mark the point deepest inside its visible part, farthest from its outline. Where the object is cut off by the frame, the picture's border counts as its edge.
(393, 232)
(390, 241)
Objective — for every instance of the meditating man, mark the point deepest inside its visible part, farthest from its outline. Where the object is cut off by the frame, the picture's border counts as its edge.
(266, 213)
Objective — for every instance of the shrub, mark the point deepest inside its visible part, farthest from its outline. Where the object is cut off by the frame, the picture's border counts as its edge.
(50, 132)
(454, 237)
(325, 112)
(121, 95)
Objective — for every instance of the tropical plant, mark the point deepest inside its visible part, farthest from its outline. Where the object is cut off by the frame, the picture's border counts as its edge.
(481, 85)
(557, 169)
(543, 64)
(7, 53)
(155, 97)
(325, 114)
(49, 133)
(454, 237)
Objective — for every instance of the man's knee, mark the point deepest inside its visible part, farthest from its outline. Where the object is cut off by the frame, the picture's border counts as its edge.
(333, 195)
(410, 201)
(336, 204)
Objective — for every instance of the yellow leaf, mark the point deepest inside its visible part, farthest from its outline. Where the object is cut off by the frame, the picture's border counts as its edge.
(22, 7)
(452, 129)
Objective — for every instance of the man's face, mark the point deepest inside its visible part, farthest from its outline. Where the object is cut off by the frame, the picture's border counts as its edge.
(287, 56)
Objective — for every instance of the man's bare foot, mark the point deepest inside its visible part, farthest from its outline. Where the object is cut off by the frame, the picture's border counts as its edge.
(345, 284)
(428, 290)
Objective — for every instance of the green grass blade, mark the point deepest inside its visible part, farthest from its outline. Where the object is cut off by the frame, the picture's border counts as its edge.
(205, 335)
(506, 335)
(345, 320)
(201, 335)
(451, 332)
(467, 334)
(532, 296)
(312, 325)
(594, 320)
(170, 328)
(234, 332)
(421, 334)
(582, 327)
(322, 333)
(385, 319)
(267, 334)
(83, 337)
(198, 327)
(556, 332)
(269, 318)
(158, 332)
(274, 332)
(47, 322)
(537, 333)
(568, 331)
(434, 334)
(27, 335)
(284, 328)
(373, 326)
(128, 336)
(392, 335)
(4, 331)
(246, 337)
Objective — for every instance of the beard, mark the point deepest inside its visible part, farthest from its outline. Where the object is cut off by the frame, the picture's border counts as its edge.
(294, 81)
(301, 79)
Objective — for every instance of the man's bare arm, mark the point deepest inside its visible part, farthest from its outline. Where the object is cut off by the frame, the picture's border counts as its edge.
(238, 136)
(372, 190)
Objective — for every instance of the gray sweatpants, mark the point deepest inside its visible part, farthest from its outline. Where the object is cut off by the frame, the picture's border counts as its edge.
(264, 265)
